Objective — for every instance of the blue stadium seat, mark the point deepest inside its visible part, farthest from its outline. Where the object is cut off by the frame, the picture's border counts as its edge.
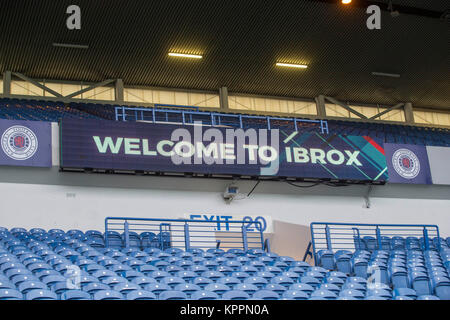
(249, 288)
(156, 288)
(235, 295)
(204, 295)
(257, 281)
(403, 298)
(282, 280)
(108, 295)
(187, 288)
(326, 259)
(94, 287)
(342, 258)
(265, 295)
(6, 284)
(140, 295)
(141, 281)
(379, 293)
(250, 270)
(27, 286)
(441, 287)
(359, 267)
(278, 288)
(113, 280)
(295, 295)
(213, 275)
(428, 297)
(376, 298)
(172, 295)
(187, 276)
(75, 295)
(329, 295)
(40, 294)
(277, 271)
(420, 283)
(229, 281)
(51, 280)
(218, 288)
(202, 282)
(354, 286)
(10, 294)
(330, 287)
(357, 294)
(314, 282)
(125, 288)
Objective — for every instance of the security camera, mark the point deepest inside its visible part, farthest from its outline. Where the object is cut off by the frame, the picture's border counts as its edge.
(230, 193)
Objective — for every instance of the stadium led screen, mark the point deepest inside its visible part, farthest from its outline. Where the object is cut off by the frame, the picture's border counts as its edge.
(196, 149)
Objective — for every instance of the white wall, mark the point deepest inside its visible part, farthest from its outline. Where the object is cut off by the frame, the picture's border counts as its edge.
(50, 199)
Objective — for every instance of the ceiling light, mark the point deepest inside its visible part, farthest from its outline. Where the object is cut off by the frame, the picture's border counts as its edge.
(184, 55)
(346, 1)
(383, 74)
(290, 65)
(72, 46)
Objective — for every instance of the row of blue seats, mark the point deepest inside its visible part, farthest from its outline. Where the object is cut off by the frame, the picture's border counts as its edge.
(95, 238)
(294, 280)
(15, 109)
(398, 243)
(389, 133)
(51, 268)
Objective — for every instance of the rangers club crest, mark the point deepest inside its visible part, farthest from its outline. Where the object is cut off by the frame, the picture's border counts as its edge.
(406, 163)
(19, 143)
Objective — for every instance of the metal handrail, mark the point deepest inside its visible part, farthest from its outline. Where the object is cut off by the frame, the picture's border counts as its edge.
(215, 118)
(346, 236)
(187, 234)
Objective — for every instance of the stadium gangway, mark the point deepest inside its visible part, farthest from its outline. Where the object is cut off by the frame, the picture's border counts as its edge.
(186, 116)
(189, 234)
(344, 236)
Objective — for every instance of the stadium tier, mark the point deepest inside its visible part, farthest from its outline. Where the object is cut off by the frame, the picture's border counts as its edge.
(15, 109)
(76, 265)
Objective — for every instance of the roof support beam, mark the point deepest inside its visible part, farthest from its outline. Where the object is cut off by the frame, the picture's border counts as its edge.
(346, 107)
(118, 90)
(7, 84)
(320, 104)
(223, 96)
(100, 84)
(37, 84)
(409, 113)
(397, 106)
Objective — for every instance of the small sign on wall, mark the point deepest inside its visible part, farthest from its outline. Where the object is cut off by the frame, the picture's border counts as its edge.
(254, 223)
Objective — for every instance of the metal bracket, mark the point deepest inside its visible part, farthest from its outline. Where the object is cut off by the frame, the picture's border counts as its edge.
(58, 95)
(367, 197)
(343, 105)
(397, 106)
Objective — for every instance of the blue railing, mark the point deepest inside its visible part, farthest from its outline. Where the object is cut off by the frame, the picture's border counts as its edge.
(184, 115)
(189, 234)
(353, 237)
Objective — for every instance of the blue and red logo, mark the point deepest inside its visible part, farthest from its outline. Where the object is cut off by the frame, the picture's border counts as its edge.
(406, 163)
(19, 143)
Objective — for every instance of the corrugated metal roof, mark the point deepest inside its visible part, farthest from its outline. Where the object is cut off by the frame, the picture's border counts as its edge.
(241, 41)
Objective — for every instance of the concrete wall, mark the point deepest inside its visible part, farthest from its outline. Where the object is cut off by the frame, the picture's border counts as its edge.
(48, 198)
